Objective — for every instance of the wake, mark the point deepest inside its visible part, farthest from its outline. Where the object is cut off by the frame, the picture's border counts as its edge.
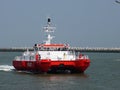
(6, 68)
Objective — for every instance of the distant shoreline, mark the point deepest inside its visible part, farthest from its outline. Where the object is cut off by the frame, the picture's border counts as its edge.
(77, 49)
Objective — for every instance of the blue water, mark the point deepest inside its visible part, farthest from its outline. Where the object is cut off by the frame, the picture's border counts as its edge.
(103, 74)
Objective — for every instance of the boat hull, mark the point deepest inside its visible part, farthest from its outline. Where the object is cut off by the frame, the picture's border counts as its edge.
(49, 66)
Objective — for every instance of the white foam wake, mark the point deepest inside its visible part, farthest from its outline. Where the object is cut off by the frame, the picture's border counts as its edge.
(6, 68)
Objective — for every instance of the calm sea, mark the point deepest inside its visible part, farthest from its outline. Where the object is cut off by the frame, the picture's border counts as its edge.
(103, 74)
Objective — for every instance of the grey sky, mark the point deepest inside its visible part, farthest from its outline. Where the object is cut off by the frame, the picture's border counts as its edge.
(84, 23)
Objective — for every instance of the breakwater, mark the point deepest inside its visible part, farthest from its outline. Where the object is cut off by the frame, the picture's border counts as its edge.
(77, 49)
(96, 49)
(16, 49)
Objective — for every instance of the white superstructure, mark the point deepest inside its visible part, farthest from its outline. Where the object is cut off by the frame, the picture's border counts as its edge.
(57, 55)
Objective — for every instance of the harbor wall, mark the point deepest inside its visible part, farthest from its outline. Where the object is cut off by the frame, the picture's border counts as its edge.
(77, 49)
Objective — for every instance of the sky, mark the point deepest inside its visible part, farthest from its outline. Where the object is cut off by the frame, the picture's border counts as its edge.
(81, 23)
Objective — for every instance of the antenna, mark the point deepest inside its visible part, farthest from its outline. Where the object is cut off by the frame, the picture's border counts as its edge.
(48, 30)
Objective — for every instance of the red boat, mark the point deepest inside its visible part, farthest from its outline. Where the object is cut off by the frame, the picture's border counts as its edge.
(51, 58)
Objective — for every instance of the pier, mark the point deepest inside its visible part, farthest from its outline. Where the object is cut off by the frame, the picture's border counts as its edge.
(77, 49)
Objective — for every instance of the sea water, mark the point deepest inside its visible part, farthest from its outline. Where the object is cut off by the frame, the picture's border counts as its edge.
(103, 74)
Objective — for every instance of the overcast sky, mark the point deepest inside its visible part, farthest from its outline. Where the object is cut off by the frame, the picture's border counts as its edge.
(83, 23)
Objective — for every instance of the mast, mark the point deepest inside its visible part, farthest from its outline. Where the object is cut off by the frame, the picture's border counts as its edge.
(48, 30)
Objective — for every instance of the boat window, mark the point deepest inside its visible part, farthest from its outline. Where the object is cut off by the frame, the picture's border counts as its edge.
(31, 57)
(48, 49)
(76, 53)
(58, 49)
(71, 52)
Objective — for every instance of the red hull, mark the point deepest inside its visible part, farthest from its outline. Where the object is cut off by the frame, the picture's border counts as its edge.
(47, 65)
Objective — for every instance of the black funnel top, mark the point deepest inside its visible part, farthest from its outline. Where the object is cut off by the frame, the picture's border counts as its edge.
(49, 20)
